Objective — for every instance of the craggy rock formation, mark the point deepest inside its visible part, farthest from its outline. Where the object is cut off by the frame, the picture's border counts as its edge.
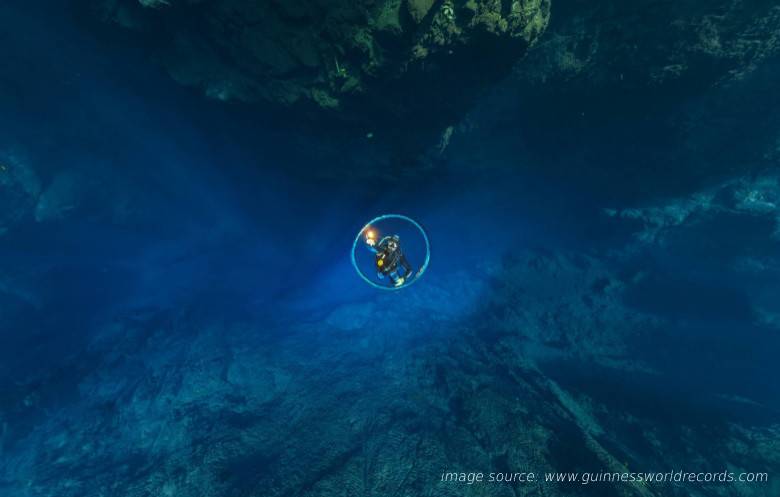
(404, 72)
(685, 45)
(385, 64)
(651, 90)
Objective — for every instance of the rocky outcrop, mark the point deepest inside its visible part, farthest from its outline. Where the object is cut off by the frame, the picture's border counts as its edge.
(636, 99)
(384, 65)
(397, 76)
(685, 45)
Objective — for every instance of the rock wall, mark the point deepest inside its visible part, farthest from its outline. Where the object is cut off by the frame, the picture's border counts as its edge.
(383, 65)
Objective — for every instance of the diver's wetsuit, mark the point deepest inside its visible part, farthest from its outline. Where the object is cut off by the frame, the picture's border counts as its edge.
(388, 262)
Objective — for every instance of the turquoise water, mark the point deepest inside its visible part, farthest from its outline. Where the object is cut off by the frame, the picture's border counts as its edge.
(180, 315)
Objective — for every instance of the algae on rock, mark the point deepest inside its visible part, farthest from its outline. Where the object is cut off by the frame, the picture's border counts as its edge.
(392, 63)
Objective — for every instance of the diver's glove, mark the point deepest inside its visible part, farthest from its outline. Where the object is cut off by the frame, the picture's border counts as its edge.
(400, 281)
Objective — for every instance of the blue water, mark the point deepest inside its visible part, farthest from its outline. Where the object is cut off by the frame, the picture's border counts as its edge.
(190, 235)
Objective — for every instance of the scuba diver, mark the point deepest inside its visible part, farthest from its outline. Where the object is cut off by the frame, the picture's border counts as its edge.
(389, 259)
